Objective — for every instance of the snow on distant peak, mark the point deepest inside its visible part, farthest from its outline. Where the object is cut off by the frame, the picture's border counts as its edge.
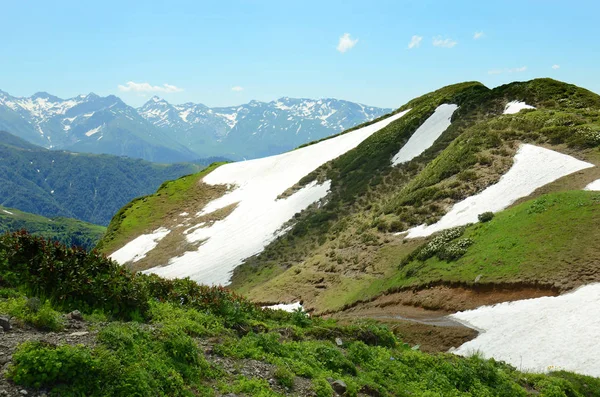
(516, 106)
(93, 131)
(594, 186)
(533, 168)
(426, 134)
(259, 215)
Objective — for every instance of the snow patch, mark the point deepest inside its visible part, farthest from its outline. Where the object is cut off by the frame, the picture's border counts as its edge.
(540, 334)
(7, 212)
(93, 131)
(426, 134)
(533, 168)
(594, 186)
(287, 307)
(137, 248)
(516, 106)
(259, 215)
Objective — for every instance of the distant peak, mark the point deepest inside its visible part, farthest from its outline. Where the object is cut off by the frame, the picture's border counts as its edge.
(44, 95)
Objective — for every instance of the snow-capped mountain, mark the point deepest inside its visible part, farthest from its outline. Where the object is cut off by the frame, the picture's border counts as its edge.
(160, 131)
(88, 123)
(257, 128)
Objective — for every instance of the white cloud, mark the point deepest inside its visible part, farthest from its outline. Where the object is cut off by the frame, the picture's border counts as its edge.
(555, 67)
(445, 43)
(478, 35)
(511, 70)
(237, 88)
(146, 87)
(346, 43)
(517, 70)
(415, 42)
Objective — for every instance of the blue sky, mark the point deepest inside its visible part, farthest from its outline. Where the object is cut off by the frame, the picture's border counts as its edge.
(228, 52)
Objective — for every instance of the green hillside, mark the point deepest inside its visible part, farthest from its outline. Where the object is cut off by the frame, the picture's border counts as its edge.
(335, 252)
(70, 232)
(88, 187)
(350, 247)
(143, 335)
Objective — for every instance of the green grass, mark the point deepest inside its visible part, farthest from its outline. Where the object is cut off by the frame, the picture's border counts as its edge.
(65, 230)
(546, 240)
(162, 353)
(149, 212)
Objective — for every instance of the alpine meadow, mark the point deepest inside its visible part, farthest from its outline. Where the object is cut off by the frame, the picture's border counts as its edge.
(213, 219)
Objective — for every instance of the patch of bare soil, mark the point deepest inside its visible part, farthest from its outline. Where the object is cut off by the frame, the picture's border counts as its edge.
(420, 316)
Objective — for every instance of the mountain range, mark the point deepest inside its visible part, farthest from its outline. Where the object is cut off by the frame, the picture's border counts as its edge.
(461, 198)
(161, 132)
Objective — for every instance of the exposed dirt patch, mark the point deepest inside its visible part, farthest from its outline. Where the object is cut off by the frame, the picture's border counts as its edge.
(445, 299)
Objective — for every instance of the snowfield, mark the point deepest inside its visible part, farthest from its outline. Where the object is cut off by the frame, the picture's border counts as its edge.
(291, 307)
(542, 334)
(137, 248)
(533, 168)
(426, 134)
(594, 186)
(259, 216)
(516, 106)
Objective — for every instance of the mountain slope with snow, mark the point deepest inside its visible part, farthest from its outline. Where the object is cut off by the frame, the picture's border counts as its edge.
(321, 228)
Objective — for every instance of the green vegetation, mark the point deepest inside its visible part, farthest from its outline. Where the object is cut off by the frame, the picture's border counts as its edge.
(70, 232)
(88, 187)
(164, 351)
(340, 251)
(547, 240)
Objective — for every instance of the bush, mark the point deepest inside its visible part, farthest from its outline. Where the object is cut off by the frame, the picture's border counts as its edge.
(485, 217)
(33, 312)
(322, 388)
(37, 364)
(284, 377)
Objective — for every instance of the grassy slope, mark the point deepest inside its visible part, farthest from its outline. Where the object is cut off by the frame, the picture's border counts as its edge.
(147, 213)
(190, 340)
(335, 253)
(65, 230)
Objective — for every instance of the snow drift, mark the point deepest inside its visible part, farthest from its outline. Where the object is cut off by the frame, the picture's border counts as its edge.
(542, 334)
(594, 186)
(137, 248)
(259, 216)
(287, 307)
(426, 134)
(516, 106)
(533, 168)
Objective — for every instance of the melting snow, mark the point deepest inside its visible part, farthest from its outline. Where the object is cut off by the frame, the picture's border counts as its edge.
(540, 334)
(291, 307)
(259, 216)
(426, 134)
(516, 106)
(533, 168)
(594, 186)
(137, 248)
(8, 212)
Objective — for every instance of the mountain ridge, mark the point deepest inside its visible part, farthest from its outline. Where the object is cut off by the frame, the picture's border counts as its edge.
(161, 132)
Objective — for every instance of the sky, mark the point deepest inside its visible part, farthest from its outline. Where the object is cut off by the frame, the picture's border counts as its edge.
(223, 53)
